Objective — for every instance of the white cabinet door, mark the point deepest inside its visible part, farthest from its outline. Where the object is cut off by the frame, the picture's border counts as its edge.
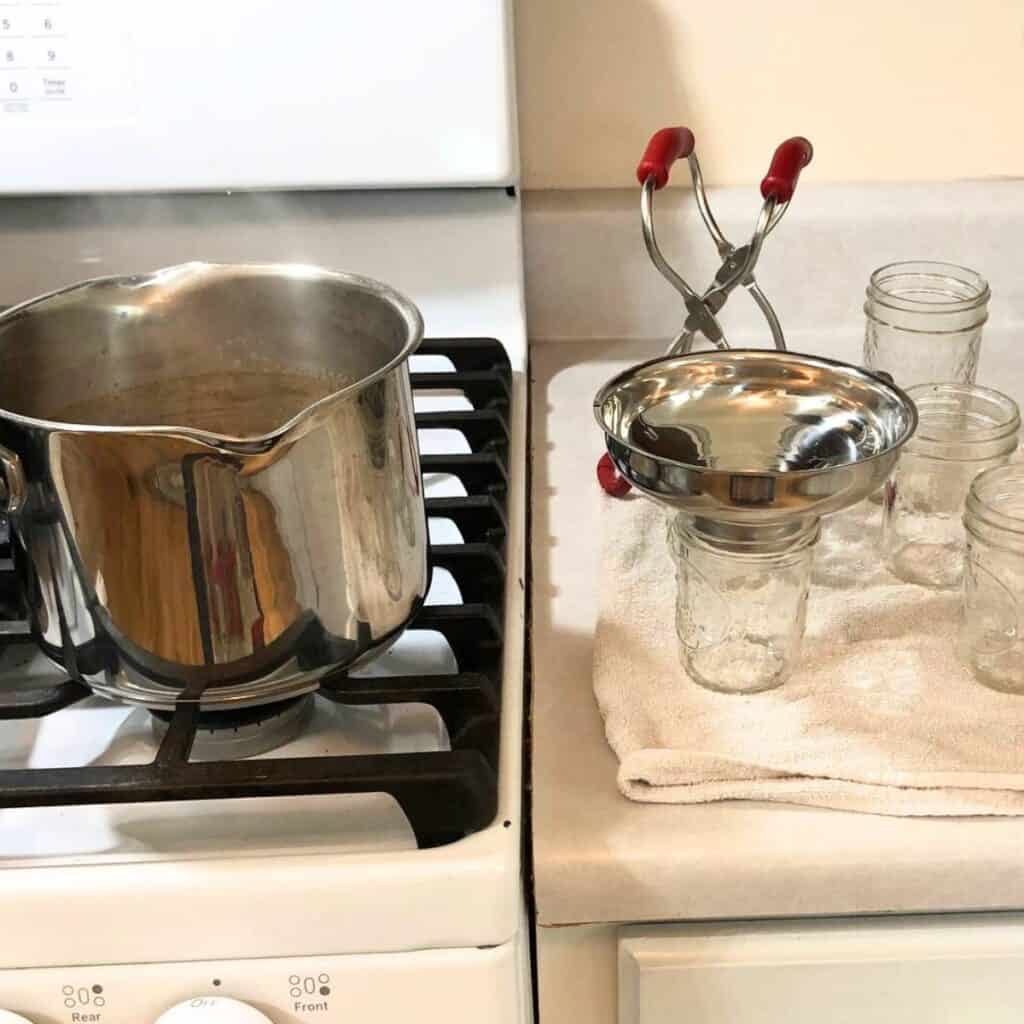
(942, 968)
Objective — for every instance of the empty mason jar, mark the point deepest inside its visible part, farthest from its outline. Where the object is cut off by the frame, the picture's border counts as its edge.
(962, 430)
(741, 601)
(991, 637)
(924, 322)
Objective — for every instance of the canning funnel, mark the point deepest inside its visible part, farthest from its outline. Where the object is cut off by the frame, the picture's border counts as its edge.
(752, 442)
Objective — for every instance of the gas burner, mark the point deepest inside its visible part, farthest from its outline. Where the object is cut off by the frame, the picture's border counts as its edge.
(245, 732)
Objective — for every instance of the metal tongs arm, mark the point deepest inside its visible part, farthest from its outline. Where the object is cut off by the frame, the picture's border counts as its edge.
(665, 147)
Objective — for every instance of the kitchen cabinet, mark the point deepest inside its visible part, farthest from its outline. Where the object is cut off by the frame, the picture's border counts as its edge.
(937, 968)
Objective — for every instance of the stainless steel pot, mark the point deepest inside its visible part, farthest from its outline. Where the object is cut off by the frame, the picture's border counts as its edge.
(212, 476)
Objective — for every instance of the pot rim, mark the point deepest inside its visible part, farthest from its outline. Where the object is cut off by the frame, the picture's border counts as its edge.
(405, 308)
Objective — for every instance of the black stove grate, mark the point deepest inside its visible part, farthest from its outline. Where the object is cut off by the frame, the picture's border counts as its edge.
(446, 794)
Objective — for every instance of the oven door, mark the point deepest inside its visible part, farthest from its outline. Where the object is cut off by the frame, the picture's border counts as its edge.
(967, 967)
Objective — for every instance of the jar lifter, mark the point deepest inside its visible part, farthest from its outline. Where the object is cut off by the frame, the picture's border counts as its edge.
(737, 267)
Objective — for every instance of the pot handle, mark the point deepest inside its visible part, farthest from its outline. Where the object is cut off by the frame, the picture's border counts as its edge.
(13, 490)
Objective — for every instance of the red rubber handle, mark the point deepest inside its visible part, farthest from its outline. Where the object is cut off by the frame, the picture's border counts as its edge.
(789, 160)
(611, 480)
(664, 149)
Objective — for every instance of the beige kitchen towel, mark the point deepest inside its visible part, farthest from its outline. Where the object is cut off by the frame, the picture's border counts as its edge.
(880, 716)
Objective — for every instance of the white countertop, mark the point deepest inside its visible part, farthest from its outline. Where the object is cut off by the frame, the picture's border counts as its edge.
(599, 857)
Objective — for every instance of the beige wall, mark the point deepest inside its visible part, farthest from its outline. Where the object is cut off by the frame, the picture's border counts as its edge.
(885, 89)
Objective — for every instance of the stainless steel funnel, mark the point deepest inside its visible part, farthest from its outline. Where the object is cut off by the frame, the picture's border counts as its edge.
(751, 438)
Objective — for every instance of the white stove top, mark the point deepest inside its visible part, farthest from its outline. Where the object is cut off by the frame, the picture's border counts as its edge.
(187, 830)
(324, 873)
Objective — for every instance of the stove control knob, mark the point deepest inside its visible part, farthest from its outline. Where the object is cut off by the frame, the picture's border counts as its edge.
(211, 1010)
(6, 1017)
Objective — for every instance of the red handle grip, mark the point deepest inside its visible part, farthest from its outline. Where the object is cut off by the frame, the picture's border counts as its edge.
(664, 149)
(610, 479)
(789, 160)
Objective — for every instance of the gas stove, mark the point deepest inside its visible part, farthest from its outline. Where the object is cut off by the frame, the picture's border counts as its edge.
(440, 769)
(357, 854)
(378, 816)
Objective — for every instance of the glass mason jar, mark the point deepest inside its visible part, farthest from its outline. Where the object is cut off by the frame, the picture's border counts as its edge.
(741, 600)
(962, 430)
(991, 636)
(924, 322)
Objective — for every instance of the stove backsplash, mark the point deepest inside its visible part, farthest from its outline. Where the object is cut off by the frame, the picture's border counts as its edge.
(588, 275)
